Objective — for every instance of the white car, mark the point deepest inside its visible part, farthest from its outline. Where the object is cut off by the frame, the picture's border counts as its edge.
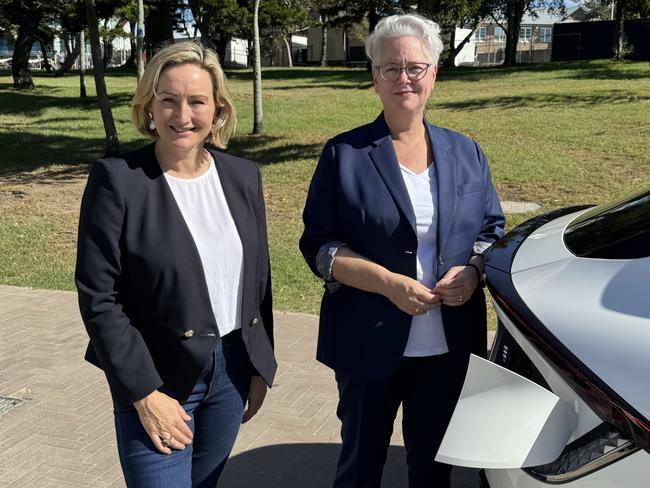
(565, 397)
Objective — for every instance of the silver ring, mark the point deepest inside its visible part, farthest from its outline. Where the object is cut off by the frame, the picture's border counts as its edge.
(417, 309)
(460, 299)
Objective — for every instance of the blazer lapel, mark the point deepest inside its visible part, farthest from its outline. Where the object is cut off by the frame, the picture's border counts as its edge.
(446, 180)
(385, 160)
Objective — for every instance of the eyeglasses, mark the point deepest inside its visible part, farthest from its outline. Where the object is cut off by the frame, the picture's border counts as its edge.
(415, 71)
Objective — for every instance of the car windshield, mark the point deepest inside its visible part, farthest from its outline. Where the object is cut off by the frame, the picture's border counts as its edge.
(620, 230)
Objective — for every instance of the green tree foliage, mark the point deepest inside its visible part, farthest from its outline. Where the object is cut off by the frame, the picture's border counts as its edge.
(161, 19)
(220, 20)
(349, 14)
(598, 10)
(27, 19)
(451, 13)
(278, 20)
(508, 14)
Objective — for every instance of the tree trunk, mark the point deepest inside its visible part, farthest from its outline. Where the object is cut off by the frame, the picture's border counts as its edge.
(159, 26)
(139, 41)
(46, 61)
(373, 20)
(619, 32)
(258, 117)
(287, 44)
(130, 61)
(68, 62)
(221, 44)
(323, 52)
(22, 49)
(514, 13)
(112, 141)
(82, 67)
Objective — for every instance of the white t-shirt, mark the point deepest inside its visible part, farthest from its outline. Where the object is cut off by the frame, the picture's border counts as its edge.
(206, 213)
(427, 336)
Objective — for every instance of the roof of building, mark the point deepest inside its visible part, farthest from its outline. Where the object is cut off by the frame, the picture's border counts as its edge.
(541, 17)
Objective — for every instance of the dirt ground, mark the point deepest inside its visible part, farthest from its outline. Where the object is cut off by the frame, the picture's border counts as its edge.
(54, 190)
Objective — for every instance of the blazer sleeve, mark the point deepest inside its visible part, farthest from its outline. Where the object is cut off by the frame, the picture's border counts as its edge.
(119, 346)
(493, 218)
(266, 301)
(320, 213)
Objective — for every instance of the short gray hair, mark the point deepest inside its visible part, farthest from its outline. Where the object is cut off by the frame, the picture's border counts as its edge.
(406, 25)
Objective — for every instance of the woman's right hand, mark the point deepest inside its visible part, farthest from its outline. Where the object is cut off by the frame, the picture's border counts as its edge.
(410, 295)
(165, 421)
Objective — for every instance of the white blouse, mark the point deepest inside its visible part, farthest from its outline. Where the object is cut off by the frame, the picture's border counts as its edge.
(427, 336)
(204, 207)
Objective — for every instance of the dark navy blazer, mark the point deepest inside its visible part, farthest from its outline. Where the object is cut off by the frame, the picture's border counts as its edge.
(358, 196)
(142, 291)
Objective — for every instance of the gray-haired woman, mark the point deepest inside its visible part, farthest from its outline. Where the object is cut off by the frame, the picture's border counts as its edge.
(397, 216)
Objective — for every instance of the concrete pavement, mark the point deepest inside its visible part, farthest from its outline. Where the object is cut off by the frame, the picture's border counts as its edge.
(60, 433)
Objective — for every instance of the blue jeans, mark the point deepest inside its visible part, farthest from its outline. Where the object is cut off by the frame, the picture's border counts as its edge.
(216, 406)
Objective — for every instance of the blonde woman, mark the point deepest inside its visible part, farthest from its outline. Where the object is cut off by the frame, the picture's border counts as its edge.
(173, 278)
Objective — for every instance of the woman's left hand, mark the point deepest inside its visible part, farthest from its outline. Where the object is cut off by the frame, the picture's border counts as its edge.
(457, 286)
(256, 395)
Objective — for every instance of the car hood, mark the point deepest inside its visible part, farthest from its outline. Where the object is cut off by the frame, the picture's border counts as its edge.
(598, 308)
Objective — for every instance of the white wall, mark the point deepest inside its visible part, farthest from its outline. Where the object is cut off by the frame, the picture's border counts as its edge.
(467, 54)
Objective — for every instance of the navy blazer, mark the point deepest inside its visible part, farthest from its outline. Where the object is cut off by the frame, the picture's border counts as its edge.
(358, 196)
(142, 292)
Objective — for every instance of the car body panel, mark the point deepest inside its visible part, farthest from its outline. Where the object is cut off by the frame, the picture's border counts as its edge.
(585, 417)
(630, 472)
(593, 311)
(571, 296)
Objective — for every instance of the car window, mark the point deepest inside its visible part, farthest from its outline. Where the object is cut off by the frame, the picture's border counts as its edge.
(620, 230)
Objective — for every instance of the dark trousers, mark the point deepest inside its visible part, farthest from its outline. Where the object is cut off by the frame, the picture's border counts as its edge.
(367, 410)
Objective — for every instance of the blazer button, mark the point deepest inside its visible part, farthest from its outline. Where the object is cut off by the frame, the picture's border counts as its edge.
(440, 261)
(189, 333)
(254, 321)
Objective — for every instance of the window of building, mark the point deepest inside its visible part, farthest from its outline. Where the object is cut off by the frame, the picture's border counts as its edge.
(524, 34)
(479, 35)
(499, 34)
(545, 34)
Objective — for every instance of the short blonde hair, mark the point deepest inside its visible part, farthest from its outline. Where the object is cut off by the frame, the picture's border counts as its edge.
(181, 53)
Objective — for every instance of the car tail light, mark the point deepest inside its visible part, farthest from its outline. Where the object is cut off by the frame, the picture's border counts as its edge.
(594, 450)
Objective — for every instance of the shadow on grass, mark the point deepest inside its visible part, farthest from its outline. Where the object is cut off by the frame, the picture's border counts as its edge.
(546, 100)
(268, 149)
(24, 151)
(332, 74)
(34, 102)
(579, 70)
(313, 465)
(315, 85)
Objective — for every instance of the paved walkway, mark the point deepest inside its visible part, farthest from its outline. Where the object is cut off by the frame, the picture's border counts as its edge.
(61, 433)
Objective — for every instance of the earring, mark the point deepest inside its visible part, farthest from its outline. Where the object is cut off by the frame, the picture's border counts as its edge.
(152, 124)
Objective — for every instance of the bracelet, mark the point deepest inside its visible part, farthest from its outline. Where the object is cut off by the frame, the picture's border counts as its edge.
(478, 274)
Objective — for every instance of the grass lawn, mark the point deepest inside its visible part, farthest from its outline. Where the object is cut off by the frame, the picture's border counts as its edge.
(556, 134)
